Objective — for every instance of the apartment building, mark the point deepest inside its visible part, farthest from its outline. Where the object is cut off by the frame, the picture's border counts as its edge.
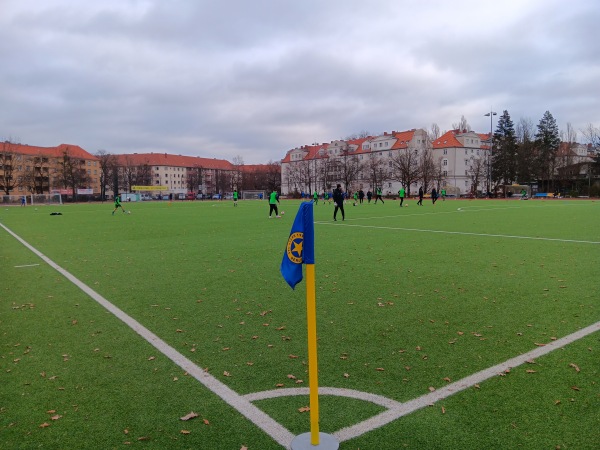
(320, 166)
(27, 169)
(176, 173)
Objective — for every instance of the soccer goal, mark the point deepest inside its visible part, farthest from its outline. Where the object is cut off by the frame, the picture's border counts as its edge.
(45, 199)
(253, 195)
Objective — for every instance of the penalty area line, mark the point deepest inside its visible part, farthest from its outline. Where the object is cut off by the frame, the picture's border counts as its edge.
(262, 420)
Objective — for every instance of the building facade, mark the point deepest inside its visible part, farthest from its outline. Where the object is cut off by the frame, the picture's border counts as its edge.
(26, 170)
(457, 161)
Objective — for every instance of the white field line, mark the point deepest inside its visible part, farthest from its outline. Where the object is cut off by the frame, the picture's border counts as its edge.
(464, 233)
(460, 385)
(279, 433)
(26, 265)
(275, 430)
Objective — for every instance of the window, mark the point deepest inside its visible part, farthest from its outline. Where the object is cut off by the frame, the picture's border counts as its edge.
(466, 162)
(445, 173)
(466, 183)
(466, 172)
(444, 162)
(466, 151)
(386, 143)
(445, 151)
(89, 163)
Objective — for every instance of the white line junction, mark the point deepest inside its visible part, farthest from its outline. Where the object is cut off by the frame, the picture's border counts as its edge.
(243, 403)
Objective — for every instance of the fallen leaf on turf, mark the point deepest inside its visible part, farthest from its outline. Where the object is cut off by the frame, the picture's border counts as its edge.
(299, 382)
(249, 363)
(304, 409)
(431, 389)
(574, 366)
(206, 422)
(52, 411)
(380, 369)
(226, 374)
(443, 410)
(226, 348)
(185, 432)
(346, 375)
(292, 356)
(557, 402)
(575, 388)
(530, 371)
(539, 345)
(74, 322)
(243, 447)
(55, 417)
(291, 377)
(280, 328)
(44, 425)
(188, 416)
(143, 438)
(447, 379)
(279, 385)
(152, 358)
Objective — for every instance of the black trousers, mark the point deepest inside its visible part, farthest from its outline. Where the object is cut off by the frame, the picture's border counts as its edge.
(273, 207)
(339, 206)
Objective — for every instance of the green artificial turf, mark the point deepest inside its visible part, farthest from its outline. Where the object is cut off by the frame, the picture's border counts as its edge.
(407, 299)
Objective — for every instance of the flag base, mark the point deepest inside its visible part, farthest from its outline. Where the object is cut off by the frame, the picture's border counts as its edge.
(326, 442)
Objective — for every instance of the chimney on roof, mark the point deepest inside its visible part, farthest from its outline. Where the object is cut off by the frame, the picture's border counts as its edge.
(385, 133)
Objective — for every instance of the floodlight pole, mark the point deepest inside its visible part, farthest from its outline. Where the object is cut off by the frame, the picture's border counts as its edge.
(489, 159)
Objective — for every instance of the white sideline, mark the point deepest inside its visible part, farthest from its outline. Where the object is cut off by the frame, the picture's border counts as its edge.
(279, 433)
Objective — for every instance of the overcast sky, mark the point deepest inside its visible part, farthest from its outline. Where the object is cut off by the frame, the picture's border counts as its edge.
(257, 78)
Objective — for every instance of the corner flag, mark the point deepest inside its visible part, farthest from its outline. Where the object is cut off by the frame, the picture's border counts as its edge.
(300, 248)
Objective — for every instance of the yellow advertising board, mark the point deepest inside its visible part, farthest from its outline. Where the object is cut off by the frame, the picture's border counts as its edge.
(149, 188)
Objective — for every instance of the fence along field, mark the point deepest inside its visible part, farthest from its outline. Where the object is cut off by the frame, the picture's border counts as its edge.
(345, 300)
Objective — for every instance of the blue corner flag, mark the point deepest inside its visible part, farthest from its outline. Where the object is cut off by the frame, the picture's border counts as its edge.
(300, 248)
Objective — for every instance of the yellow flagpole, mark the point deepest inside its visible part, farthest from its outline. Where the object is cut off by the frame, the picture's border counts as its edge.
(313, 371)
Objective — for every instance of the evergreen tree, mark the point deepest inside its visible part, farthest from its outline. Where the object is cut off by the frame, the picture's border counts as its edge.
(504, 157)
(547, 142)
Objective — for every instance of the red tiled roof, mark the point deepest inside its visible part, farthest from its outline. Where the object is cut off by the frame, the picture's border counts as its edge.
(447, 140)
(402, 139)
(55, 152)
(166, 159)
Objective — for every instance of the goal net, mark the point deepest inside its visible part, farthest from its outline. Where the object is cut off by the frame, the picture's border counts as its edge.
(253, 195)
(46, 199)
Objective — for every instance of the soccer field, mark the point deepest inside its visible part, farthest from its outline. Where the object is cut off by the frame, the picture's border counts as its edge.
(464, 324)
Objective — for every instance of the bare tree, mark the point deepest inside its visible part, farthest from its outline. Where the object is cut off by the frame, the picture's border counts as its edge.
(349, 167)
(73, 173)
(592, 135)
(462, 125)
(326, 173)
(194, 179)
(273, 176)
(7, 165)
(477, 172)
(426, 169)
(406, 167)
(375, 170)
(360, 135)
(434, 132)
(107, 162)
(237, 175)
